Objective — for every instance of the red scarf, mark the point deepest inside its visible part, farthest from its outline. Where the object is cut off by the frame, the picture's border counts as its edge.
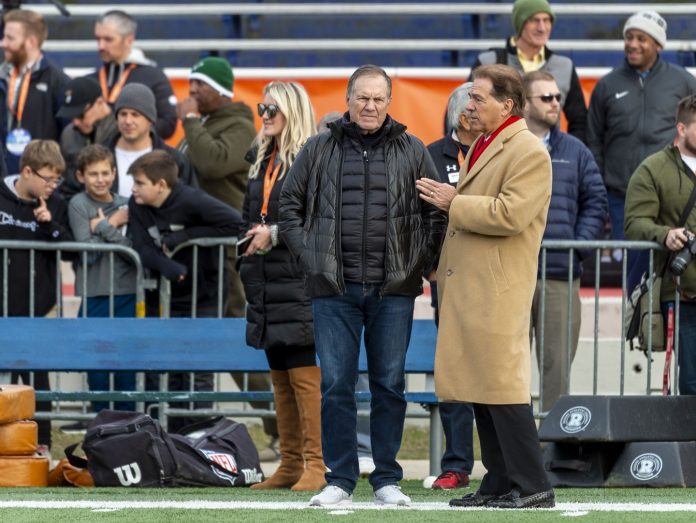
(482, 143)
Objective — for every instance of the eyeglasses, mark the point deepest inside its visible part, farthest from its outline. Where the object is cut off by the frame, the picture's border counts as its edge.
(548, 97)
(271, 108)
(49, 181)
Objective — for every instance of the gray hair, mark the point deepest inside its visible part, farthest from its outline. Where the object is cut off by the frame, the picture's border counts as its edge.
(369, 70)
(323, 124)
(125, 24)
(456, 105)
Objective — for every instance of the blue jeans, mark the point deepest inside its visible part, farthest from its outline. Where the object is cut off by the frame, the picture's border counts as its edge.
(457, 422)
(339, 322)
(98, 307)
(458, 425)
(616, 215)
(686, 355)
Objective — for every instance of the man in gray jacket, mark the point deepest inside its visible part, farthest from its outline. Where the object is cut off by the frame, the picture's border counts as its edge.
(632, 109)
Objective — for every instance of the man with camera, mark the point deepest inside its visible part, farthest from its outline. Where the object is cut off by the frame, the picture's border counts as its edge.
(658, 194)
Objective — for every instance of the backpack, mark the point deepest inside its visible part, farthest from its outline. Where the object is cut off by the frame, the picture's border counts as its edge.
(642, 315)
(130, 449)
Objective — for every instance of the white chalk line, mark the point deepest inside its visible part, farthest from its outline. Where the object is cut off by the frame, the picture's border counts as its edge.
(104, 506)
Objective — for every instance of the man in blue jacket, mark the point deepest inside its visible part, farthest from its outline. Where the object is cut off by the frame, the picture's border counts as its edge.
(577, 212)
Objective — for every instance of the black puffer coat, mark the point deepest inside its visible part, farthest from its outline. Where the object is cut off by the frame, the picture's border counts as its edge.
(279, 312)
(311, 200)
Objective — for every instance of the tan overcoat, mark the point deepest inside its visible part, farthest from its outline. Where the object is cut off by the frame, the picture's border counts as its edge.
(488, 269)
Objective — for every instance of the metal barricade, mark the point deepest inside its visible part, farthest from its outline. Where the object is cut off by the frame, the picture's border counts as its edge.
(79, 253)
(597, 247)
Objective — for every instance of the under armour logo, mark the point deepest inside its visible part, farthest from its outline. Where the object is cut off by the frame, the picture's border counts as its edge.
(128, 474)
(453, 167)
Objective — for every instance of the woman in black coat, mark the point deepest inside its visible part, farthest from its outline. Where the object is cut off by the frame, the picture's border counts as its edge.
(279, 312)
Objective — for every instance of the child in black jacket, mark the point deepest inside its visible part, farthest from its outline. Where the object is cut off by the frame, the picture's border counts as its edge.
(164, 213)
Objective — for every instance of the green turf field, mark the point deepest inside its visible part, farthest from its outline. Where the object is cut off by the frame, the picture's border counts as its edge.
(216, 505)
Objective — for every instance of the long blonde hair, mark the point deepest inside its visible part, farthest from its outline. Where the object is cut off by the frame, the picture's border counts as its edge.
(292, 100)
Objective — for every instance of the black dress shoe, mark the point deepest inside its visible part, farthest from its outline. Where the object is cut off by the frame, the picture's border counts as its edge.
(513, 499)
(476, 499)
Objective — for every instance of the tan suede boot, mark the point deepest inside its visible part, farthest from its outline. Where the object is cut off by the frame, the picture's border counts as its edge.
(291, 465)
(306, 382)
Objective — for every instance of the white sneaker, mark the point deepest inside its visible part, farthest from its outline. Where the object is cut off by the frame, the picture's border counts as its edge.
(366, 465)
(331, 496)
(391, 495)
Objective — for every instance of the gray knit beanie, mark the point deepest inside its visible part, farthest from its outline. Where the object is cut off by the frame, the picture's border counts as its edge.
(138, 97)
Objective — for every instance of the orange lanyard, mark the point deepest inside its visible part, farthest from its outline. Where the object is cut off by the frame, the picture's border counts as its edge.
(269, 181)
(112, 96)
(23, 93)
(460, 157)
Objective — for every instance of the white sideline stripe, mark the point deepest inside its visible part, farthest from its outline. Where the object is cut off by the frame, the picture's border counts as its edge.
(296, 505)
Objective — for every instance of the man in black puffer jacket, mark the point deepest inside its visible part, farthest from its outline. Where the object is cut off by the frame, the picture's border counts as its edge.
(351, 214)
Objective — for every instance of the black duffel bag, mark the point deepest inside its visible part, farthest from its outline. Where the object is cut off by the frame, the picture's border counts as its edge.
(225, 443)
(130, 449)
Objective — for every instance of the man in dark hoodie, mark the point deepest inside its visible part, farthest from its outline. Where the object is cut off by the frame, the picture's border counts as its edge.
(32, 86)
(123, 64)
(218, 133)
(135, 115)
(30, 211)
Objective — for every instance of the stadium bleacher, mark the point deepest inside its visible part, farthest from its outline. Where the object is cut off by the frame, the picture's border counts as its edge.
(363, 25)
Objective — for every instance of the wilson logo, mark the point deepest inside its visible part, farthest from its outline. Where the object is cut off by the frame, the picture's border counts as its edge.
(129, 474)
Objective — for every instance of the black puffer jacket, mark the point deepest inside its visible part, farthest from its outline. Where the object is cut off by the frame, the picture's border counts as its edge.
(279, 311)
(310, 219)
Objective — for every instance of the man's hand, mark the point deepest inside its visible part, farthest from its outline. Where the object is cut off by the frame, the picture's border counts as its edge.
(41, 213)
(436, 193)
(119, 218)
(186, 106)
(677, 238)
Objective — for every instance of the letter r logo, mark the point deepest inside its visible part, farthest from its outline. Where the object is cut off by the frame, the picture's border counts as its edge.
(128, 474)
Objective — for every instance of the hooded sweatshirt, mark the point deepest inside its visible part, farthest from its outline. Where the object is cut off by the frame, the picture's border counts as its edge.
(17, 222)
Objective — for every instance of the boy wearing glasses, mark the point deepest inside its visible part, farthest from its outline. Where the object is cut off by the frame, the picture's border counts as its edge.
(30, 211)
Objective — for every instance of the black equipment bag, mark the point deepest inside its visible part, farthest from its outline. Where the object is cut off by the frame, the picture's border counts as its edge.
(130, 449)
(225, 443)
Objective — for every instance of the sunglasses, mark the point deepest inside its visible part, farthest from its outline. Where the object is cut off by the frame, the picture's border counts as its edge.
(272, 109)
(548, 97)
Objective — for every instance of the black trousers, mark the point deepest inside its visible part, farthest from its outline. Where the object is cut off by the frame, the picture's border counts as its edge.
(510, 450)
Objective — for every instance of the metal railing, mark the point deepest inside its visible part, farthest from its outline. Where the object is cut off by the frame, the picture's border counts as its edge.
(624, 247)
(223, 243)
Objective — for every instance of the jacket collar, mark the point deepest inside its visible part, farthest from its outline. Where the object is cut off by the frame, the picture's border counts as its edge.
(492, 150)
(344, 127)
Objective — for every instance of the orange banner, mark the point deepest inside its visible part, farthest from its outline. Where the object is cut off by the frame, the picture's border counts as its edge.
(418, 103)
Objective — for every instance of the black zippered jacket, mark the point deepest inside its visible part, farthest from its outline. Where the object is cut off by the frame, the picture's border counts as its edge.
(311, 203)
(186, 214)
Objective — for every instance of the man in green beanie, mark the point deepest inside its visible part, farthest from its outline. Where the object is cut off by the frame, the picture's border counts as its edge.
(527, 52)
(218, 133)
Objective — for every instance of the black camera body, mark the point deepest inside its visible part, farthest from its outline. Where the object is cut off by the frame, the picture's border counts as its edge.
(684, 257)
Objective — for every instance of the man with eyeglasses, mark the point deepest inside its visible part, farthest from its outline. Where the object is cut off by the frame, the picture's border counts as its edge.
(92, 122)
(577, 212)
(217, 135)
(351, 216)
(31, 210)
(527, 51)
